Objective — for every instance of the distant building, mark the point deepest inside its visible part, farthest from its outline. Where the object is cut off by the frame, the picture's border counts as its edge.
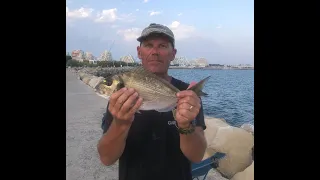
(89, 56)
(180, 61)
(127, 59)
(240, 66)
(78, 55)
(217, 66)
(201, 62)
(93, 61)
(106, 56)
(245, 66)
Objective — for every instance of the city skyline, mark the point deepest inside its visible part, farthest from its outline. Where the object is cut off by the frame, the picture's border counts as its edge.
(106, 55)
(220, 31)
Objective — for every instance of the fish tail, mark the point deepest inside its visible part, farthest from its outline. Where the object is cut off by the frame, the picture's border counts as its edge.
(197, 88)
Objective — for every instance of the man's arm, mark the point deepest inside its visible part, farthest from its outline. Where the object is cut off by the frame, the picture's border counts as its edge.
(112, 143)
(194, 145)
(118, 120)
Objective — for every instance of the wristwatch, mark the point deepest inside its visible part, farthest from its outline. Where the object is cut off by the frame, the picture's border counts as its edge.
(188, 130)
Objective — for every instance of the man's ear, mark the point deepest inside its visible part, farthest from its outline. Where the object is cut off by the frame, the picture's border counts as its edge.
(174, 54)
(138, 52)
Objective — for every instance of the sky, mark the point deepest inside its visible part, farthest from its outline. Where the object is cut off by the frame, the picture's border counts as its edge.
(222, 31)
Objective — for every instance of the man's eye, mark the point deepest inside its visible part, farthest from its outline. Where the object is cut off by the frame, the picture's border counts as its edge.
(163, 46)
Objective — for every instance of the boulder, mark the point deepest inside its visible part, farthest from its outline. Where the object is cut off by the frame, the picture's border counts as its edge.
(236, 142)
(247, 174)
(95, 81)
(248, 127)
(86, 79)
(82, 75)
(213, 124)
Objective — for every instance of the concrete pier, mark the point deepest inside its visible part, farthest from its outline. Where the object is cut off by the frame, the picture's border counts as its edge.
(84, 112)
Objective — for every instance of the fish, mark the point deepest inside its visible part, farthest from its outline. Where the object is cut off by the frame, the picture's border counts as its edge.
(157, 93)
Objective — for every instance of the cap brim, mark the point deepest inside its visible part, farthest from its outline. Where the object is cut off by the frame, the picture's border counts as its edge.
(141, 38)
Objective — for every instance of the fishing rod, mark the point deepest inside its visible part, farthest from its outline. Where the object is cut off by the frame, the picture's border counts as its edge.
(110, 52)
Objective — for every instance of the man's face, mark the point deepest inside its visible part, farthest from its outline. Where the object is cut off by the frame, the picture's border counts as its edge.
(156, 53)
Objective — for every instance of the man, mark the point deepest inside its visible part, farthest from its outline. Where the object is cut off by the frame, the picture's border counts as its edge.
(150, 144)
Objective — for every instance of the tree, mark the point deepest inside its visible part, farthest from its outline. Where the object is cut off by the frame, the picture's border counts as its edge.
(68, 57)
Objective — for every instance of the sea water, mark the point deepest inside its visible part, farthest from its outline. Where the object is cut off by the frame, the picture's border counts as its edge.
(230, 93)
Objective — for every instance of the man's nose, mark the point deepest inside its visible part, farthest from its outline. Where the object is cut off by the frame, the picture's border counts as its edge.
(155, 51)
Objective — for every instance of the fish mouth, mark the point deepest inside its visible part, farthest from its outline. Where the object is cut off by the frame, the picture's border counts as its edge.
(104, 89)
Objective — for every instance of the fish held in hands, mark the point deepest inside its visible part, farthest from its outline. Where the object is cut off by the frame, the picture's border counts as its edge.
(157, 93)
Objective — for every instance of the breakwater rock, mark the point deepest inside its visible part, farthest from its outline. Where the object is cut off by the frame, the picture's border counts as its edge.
(247, 174)
(102, 72)
(236, 142)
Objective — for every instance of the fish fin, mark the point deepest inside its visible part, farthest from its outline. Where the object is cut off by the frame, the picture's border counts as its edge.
(197, 88)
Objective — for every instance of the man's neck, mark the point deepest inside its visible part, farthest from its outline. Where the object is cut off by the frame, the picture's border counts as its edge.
(165, 76)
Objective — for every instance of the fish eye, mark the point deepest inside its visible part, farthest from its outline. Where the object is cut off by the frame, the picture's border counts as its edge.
(107, 82)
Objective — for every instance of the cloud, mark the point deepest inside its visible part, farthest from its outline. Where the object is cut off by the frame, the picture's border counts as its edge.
(153, 13)
(180, 14)
(130, 34)
(79, 13)
(181, 31)
(145, 1)
(127, 17)
(137, 9)
(76, 14)
(107, 15)
(110, 15)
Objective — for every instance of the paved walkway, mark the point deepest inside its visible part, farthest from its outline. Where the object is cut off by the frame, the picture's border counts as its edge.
(84, 112)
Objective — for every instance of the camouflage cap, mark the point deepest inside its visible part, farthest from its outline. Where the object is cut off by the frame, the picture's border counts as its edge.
(154, 28)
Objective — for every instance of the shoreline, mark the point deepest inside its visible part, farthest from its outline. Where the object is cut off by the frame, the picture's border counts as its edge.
(209, 68)
(171, 67)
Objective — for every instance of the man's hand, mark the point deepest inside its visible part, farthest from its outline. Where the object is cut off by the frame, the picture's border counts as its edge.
(123, 104)
(188, 107)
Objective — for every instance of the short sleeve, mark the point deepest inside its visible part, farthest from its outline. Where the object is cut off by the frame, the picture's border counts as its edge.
(106, 120)
(199, 121)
